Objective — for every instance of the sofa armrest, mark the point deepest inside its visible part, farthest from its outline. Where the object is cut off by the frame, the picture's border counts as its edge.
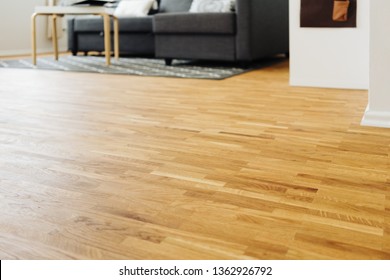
(262, 28)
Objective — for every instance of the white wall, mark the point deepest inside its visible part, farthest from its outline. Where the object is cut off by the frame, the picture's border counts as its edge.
(330, 57)
(15, 28)
(378, 110)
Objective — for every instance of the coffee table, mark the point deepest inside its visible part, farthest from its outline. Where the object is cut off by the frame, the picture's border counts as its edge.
(59, 11)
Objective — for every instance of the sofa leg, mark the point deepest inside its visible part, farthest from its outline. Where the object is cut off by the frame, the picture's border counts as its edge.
(74, 53)
(168, 61)
(245, 64)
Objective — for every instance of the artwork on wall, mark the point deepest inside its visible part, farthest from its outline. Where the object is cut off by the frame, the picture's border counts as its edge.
(328, 13)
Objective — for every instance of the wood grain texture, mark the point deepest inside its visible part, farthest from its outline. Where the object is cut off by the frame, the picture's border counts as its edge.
(122, 167)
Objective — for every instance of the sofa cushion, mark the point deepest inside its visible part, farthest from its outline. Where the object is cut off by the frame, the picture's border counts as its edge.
(211, 6)
(207, 23)
(130, 24)
(134, 8)
(139, 24)
(173, 6)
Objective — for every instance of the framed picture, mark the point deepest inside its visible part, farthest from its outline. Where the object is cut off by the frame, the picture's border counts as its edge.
(328, 13)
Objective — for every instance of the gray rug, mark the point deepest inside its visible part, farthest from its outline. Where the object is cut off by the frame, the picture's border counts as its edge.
(131, 66)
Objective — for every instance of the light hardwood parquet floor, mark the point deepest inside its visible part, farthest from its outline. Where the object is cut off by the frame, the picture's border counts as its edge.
(122, 167)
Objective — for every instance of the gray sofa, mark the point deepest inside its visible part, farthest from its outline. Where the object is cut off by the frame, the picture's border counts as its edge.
(254, 30)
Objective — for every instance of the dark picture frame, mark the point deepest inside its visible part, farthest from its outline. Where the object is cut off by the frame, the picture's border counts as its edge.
(319, 13)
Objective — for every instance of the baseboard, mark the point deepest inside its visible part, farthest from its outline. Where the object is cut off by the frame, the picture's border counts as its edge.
(323, 83)
(28, 52)
(376, 118)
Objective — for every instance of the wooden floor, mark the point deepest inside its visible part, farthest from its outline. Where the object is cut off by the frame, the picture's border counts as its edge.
(99, 166)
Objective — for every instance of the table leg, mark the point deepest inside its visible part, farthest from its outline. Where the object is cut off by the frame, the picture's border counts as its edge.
(54, 36)
(107, 38)
(116, 37)
(34, 39)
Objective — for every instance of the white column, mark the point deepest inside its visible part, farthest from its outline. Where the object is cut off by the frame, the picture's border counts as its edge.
(330, 57)
(378, 109)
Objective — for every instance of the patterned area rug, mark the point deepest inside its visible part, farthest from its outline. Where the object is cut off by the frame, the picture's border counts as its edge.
(132, 66)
